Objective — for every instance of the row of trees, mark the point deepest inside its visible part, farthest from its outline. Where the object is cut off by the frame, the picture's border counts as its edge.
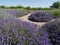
(54, 5)
(21, 7)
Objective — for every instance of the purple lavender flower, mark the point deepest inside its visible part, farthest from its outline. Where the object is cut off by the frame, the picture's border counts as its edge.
(40, 16)
(18, 32)
(53, 30)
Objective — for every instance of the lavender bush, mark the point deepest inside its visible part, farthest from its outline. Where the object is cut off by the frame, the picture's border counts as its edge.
(17, 13)
(14, 12)
(3, 16)
(17, 32)
(40, 16)
(53, 29)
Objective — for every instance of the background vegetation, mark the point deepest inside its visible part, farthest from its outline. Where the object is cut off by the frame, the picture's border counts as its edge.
(17, 32)
(54, 9)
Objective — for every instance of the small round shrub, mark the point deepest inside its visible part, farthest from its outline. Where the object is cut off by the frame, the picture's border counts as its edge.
(40, 16)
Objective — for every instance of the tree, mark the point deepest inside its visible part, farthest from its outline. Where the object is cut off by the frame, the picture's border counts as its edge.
(19, 7)
(28, 7)
(2, 6)
(55, 5)
(12, 7)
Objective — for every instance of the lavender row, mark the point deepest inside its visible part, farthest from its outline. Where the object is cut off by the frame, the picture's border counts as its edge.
(53, 30)
(17, 32)
(13, 12)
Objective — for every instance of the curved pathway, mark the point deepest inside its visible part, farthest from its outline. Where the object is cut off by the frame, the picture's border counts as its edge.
(25, 18)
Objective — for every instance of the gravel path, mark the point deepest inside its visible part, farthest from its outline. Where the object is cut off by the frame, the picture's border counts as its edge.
(25, 18)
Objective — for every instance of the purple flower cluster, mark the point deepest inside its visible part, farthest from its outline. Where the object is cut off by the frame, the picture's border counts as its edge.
(40, 16)
(17, 13)
(17, 32)
(53, 30)
(13, 12)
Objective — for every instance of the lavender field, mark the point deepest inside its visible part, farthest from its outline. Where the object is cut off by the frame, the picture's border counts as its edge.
(14, 31)
(21, 25)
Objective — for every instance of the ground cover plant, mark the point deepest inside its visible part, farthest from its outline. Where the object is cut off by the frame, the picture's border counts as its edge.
(41, 16)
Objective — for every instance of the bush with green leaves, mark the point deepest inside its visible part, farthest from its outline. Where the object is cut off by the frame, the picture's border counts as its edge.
(55, 12)
(55, 5)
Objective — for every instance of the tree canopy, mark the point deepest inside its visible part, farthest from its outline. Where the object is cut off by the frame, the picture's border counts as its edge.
(55, 5)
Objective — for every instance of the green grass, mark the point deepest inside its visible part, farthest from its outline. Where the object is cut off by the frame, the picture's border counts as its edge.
(55, 12)
(2, 15)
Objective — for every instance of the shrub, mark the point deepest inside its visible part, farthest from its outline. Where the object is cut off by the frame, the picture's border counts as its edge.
(17, 32)
(55, 12)
(40, 16)
(55, 5)
(53, 30)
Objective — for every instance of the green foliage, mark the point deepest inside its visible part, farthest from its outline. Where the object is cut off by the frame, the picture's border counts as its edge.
(28, 7)
(2, 7)
(46, 8)
(12, 7)
(19, 6)
(22, 7)
(55, 5)
(55, 12)
(3, 16)
(38, 8)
